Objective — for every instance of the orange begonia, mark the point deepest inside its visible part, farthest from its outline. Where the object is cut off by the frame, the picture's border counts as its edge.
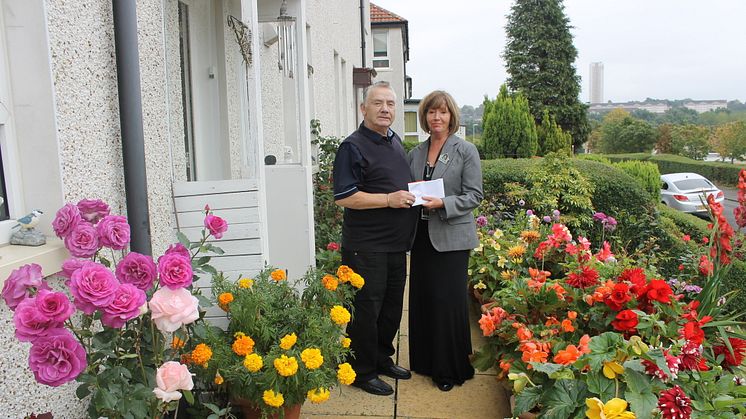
(568, 355)
(567, 326)
(524, 334)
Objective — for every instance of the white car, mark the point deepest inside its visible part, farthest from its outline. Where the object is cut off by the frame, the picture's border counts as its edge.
(688, 192)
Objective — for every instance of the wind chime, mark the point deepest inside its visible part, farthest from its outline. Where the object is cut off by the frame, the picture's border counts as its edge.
(286, 48)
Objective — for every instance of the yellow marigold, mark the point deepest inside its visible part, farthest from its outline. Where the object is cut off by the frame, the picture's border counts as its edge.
(253, 362)
(218, 379)
(273, 399)
(343, 273)
(245, 283)
(345, 374)
(318, 395)
(356, 280)
(340, 315)
(278, 275)
(177, 343)
(517, 251)
(346, 342)
(224, 299)
(330, 282)
(288, 341)
(201, 355)
(286, 366)
(312, 358)
(243, 345)
(530, 236)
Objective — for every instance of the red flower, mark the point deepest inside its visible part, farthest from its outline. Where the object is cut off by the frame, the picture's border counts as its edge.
(705, 240)
(659, 290)
(671, 361)
(674, 404)
(691, 358)
(739, 352)
(333, 246)
(626, 321)
(619, 297)
(637, 278)
(705, 265)
(693, 333)
(583, 279)
(686, 238)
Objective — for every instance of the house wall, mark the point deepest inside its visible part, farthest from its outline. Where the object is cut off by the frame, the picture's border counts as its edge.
(395, 73)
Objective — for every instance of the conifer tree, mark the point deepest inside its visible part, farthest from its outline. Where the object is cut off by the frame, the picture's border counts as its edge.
(551, 136)
(539, 57)
(509, 128)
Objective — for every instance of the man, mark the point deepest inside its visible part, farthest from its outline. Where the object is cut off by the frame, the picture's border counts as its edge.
(370, 181)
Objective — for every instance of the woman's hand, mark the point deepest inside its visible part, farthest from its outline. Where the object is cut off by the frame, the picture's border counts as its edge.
(432, 203)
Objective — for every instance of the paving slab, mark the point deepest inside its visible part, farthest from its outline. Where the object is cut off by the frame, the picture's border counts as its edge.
(353, 402)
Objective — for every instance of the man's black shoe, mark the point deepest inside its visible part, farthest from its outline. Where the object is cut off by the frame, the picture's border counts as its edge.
(444, 385)
(395, 371)
(375, 386)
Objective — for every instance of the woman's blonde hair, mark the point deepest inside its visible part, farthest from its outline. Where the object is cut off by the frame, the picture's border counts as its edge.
(436, 99)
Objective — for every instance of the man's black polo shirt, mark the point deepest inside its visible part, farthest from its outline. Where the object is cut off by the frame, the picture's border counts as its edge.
(369, 162)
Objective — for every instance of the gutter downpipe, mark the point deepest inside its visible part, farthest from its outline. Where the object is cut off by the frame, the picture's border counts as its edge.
(130, 117)
(362, 32)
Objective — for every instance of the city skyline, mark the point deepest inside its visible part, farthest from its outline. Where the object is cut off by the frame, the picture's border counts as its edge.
(668, 49)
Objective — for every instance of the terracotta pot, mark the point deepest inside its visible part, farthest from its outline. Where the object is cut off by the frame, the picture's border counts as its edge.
(250, 411)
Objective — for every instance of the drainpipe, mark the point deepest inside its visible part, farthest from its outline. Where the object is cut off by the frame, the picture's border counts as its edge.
(130, 117)
(362, 32)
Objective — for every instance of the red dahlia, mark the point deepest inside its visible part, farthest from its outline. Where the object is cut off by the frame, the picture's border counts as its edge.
(739, 352)
(619, 297)
(637, 278)
(583, 279)
(671, 361)
(674, 404)
(691, 358)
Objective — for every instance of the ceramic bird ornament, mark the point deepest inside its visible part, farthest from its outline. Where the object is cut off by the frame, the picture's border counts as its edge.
(29, 221)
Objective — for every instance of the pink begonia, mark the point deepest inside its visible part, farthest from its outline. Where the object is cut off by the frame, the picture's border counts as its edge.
(66, 219)
(93, 210)
(21, 283)
(126, 305)
(138, 270)
(170, 309)
(170, 378)
(113, 232)
(82, 241)
(216, 225)
(93, 287)
(57, 358)
(175, 271)
(30, 323)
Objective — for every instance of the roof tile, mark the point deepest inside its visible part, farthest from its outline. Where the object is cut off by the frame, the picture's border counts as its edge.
(380, 15)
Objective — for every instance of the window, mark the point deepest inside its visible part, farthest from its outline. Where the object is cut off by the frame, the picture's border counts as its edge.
(380, 48)
(410, 122)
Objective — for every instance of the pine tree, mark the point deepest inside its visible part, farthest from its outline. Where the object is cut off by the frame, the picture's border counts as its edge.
(551, 136)
(539, 57)
(490, 142)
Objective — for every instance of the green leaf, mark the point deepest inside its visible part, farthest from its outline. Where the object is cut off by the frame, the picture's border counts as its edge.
(104, 400)
(104, 261)
(188, 396)
(602, 386)
(563, 399)
(547, 367)
(527, 399)
(603, 349)
(637, 382)
(183, 239)
(484, 359)
(218, 250)
(82, 391)
(203, 260)
(203, 301)
(639, 395)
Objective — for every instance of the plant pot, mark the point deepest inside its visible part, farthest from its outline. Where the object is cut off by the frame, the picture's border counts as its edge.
(250, 411)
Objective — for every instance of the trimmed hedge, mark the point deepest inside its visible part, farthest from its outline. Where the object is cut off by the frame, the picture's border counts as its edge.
(720, 173)
(687, 223)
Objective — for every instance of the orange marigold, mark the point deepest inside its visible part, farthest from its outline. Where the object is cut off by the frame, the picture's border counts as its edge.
(343, 273)
(330, 282)
(224, 299)
(243, 345)
(177, 343)
(516, 251)
(201, 355)
(530, 236)
(278, 275)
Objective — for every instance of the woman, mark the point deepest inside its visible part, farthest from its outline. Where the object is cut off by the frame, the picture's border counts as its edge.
(439, 337)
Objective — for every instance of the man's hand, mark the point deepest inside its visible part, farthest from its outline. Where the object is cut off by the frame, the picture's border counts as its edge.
(400, 199)
(363, 200)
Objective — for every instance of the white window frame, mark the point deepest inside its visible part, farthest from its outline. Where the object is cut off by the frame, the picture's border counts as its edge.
(387, 57)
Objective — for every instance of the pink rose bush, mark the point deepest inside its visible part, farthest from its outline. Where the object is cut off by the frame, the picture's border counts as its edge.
(107, 330)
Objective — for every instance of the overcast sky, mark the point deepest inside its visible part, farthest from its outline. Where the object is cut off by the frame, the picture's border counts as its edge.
(663, 49)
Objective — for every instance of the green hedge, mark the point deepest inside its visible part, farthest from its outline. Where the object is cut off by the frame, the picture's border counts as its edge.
(687, 223)
(720, 173)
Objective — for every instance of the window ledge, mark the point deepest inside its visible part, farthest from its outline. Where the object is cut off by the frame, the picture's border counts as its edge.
(50, 256)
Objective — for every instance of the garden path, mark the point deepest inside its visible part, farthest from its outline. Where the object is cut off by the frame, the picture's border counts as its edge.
(480, 398)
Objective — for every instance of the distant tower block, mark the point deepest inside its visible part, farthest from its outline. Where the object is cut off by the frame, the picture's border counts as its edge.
(597, 83)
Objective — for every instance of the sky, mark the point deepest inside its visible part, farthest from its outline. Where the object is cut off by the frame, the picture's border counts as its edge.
(662, 49)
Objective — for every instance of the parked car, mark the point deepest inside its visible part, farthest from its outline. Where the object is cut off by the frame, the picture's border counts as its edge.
(688, 192)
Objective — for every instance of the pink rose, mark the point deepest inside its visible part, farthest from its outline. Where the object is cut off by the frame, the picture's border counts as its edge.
(138, 270)
(126, 305)
(71, 265)
(30, 323)
(175, 270)
(66, 219)
(21, 283)
(170, 309)
(93, 287)
(216, 225)
(93, 210)
(54, 305)
(82, 241)
(170, 378)
(179, 249)
(56, 358)
(113, 232)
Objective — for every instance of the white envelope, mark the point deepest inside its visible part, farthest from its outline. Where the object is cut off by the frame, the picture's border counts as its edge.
(432, 188)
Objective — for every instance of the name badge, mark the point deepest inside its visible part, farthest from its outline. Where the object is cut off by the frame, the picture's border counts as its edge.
(444, 158)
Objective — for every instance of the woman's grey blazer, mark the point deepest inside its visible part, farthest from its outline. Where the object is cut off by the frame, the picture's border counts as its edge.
(452, 227)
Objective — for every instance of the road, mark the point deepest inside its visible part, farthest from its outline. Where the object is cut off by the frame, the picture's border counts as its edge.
(730, 203)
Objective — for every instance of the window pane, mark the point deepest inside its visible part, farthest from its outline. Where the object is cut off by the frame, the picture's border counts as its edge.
(380, 63)
(380, 41)
(410, 121)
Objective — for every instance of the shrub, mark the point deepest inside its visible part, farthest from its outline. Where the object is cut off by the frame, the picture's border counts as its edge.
(409, 145)
(327, 215)
(646, 173)
(594, 157)
(720, 173)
